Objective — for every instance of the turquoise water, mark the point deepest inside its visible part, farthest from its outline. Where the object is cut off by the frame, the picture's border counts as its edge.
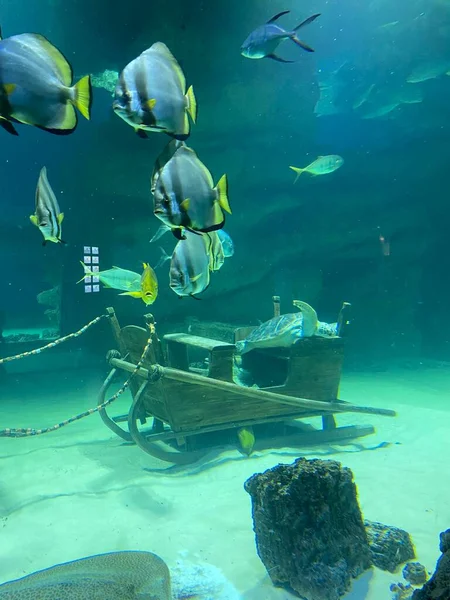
(372, 232)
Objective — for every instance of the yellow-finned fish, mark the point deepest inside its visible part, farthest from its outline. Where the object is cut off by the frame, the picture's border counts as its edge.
(321, 166)
(148, 291)
(246, 439)
(36, 86)
(189, 273)
(47, 216)
(151, 94)
(184, 193)
(115, 278)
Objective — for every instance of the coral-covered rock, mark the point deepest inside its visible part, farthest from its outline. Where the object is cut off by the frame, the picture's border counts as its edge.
(438, 588)
(309, 530)
(389, 546)
(415, 573)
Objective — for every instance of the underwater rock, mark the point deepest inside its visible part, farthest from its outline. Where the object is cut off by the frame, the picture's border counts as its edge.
(308, 527)
(106, 80)
(201, 581)
(438, 587)
(401, 591)
(415, 573)
(389, 546)
(51, 297)
(115, 576)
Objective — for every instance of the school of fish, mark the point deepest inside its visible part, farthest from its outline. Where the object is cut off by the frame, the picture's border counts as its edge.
(151, 95)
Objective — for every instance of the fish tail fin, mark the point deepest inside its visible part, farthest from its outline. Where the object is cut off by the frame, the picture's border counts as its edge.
(191, 104)
(299, 42)
(302, 45)
(87, 272)
(298, 171)
(222, 193)
(83, 96)
(307, 21)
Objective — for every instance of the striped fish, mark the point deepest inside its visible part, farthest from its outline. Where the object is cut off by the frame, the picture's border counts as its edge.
(47, 217)
(151, 94)
(184, 193)
(190, 266)
(36, 86)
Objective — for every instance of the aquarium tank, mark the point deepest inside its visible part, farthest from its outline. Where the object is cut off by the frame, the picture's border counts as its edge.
(224, 332)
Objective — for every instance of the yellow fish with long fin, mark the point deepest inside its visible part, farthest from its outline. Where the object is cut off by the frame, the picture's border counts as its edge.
(148, 291)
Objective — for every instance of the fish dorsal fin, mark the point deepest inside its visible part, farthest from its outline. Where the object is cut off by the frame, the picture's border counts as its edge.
(206, 173)
(168, 152)
(273, 19)
(162, 50)
(60, 63)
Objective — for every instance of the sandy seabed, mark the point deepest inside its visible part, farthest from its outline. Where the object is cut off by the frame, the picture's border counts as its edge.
(80, 491)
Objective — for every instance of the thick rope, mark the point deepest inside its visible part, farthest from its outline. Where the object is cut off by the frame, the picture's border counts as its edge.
(55, 343)
(29, 432)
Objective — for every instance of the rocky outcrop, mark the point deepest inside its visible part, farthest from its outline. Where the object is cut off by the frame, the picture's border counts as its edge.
(438, 587)
(389, 546)
(308, 526)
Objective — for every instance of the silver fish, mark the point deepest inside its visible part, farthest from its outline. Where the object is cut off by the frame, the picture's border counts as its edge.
(190, 266)
(184, 193)
(214, 248)
(36, 86)
(151, 94)
(264, 40)
(227, 243)
(47, 216)
(115, 278)
(323, 165)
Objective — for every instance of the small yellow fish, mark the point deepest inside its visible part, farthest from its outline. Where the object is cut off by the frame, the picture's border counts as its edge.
(321, 166)
(149, 286)
(246, 439)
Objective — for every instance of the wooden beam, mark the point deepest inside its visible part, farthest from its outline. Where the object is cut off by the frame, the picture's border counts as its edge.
(260, 394)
